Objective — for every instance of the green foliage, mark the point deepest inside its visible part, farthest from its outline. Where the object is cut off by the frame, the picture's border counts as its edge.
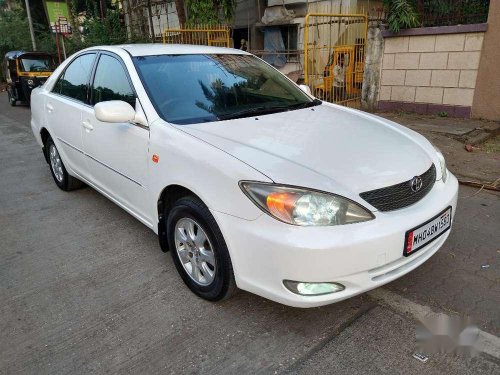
(14, 30)
(106, 31)
(446, 12)
(96, 31)
(45, 40)
(15, 34)
(209, 12)
(401, 14)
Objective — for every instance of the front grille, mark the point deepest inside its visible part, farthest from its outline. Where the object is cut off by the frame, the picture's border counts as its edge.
(400, 195)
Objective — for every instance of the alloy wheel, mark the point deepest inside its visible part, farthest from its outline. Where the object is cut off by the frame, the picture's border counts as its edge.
(56, 163)
(195, 251)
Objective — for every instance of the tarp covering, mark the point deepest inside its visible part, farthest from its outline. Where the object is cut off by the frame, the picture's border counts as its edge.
(273, 42)
(277, 14)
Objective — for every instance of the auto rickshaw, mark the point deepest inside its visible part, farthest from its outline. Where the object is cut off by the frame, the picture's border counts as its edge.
(24, 71)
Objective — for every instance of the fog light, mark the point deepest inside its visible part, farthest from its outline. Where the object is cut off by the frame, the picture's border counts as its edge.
(312, 289)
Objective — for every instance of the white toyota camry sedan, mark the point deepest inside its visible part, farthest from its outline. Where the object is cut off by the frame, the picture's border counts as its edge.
(247, 179)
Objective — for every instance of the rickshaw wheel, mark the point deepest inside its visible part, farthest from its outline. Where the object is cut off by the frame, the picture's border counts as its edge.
(320, 94)
(12, 101)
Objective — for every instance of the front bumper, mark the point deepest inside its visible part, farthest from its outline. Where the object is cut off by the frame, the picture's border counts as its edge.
(363, 256)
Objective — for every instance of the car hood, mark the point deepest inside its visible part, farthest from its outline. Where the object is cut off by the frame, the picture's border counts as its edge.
(326, 147)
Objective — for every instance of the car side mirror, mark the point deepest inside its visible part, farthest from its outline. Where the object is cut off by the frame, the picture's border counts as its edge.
(115, 111)
(306, 89)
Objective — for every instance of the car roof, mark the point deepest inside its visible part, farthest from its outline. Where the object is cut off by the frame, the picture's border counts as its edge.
(154, 49)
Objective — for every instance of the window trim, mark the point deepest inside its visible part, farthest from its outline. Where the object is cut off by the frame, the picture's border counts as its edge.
(94, 69)
(86, 101)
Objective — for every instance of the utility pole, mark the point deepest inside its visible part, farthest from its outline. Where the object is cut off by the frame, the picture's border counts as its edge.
(152, 28)
(30, 22)
(102, 5)
(181, 14)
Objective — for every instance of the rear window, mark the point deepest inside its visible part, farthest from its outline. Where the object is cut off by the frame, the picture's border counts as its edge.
(36, 64)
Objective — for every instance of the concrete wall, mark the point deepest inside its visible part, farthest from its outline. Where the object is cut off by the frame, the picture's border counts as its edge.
(486, 102)
(431, 70)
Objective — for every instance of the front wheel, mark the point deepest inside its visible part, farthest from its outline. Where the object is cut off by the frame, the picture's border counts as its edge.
(199, 251)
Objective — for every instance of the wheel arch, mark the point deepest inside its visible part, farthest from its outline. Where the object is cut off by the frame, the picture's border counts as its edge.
(44, 135)
(167, 197)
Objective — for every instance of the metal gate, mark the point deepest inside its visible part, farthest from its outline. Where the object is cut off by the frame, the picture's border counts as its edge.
(334, 56)
(199, 35)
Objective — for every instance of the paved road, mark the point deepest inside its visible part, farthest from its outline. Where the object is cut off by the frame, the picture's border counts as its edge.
(84, 288)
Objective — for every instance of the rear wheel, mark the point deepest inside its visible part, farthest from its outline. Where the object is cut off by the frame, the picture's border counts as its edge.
(12, 100)
(319, 93)
(199, 251)
(61, 177)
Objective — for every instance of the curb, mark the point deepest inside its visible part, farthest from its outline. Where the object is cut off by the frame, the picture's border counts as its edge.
(478, 136)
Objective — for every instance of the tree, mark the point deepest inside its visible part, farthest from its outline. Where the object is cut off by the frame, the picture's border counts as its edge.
(210, 11)
(14, 30)
(6, 4)
(181, 13)
(401, 14)
(99, 26)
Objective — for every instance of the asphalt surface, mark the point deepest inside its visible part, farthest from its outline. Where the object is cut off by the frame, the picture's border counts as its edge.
(85, 288)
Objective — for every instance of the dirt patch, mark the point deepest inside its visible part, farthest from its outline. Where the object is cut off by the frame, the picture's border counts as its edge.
(492, 145)
(452, 135)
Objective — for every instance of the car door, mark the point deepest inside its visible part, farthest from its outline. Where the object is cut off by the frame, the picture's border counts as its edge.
(64, 105)
(117, 152)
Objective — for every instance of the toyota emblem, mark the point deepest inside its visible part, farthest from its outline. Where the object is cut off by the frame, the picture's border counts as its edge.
(416, 184)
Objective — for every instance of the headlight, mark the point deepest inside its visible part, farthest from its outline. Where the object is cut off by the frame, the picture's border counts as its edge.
(300, 206)
(442, 164)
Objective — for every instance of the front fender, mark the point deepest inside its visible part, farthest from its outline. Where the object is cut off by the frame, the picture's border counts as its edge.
(210, 173)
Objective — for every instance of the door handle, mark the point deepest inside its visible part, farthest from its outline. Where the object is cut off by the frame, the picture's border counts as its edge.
(49, 107)
(87, 125)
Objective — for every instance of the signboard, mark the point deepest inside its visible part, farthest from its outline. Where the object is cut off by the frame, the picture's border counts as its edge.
(62, 26)
(58, 15)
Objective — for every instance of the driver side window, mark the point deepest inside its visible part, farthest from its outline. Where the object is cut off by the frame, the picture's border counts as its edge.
(111, 82)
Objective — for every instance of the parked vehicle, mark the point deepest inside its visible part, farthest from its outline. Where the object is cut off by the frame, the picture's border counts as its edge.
(248, 180)
(352, 79)
(24, 71)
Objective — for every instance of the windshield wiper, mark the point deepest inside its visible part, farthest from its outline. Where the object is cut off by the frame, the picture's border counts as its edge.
(314, 103)
(251, 112)
(266, 110)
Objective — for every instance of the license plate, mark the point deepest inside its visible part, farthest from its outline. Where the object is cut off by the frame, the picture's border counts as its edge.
(422, 235)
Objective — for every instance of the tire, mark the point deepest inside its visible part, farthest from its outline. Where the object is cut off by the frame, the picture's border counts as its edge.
(319, 94)
(219, 284)
(61, 177)
(12, 101)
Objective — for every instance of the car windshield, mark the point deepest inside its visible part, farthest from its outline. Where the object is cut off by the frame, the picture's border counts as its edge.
(187, 89)
(36, 64)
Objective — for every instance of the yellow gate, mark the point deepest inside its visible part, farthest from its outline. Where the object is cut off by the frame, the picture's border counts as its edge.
(334, 56)
(199, 35)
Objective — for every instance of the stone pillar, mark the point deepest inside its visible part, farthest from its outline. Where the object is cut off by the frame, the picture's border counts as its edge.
(373, 61)
(486, 103)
